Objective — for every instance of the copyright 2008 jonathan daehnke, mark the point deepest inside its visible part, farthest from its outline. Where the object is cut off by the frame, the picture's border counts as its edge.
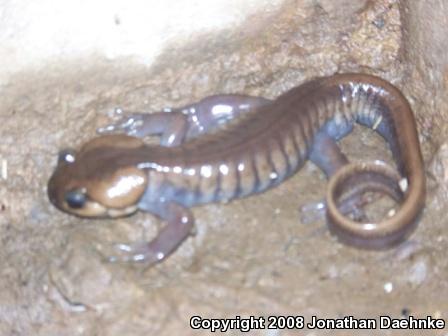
(245, 324)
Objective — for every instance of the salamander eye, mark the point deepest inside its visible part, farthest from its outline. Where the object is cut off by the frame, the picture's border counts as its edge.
(66, 156)
(76, 199)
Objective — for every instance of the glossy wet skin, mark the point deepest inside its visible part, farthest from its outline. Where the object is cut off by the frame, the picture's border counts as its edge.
(232, 146)
(92, 183)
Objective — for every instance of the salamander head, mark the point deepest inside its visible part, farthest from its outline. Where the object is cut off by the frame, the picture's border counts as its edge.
(100, 180)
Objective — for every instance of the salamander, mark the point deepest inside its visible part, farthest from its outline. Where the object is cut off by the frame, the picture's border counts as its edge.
(226, 147)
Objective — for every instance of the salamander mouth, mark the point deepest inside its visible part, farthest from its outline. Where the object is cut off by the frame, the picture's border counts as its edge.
(114, 213)
(96, 210)
(92, 209)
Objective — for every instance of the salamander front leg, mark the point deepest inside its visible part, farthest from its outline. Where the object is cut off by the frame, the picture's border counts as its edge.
(171, 127)
(179, 224)
(176, 126)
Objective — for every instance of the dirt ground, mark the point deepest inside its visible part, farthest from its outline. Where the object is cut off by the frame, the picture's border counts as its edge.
(254, 256)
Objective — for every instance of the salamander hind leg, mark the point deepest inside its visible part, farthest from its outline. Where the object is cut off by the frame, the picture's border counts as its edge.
(362, 198)
(178, 226)
(326, 155)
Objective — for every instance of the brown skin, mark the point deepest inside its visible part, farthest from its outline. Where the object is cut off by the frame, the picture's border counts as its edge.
(253, 144)
(100, 178)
